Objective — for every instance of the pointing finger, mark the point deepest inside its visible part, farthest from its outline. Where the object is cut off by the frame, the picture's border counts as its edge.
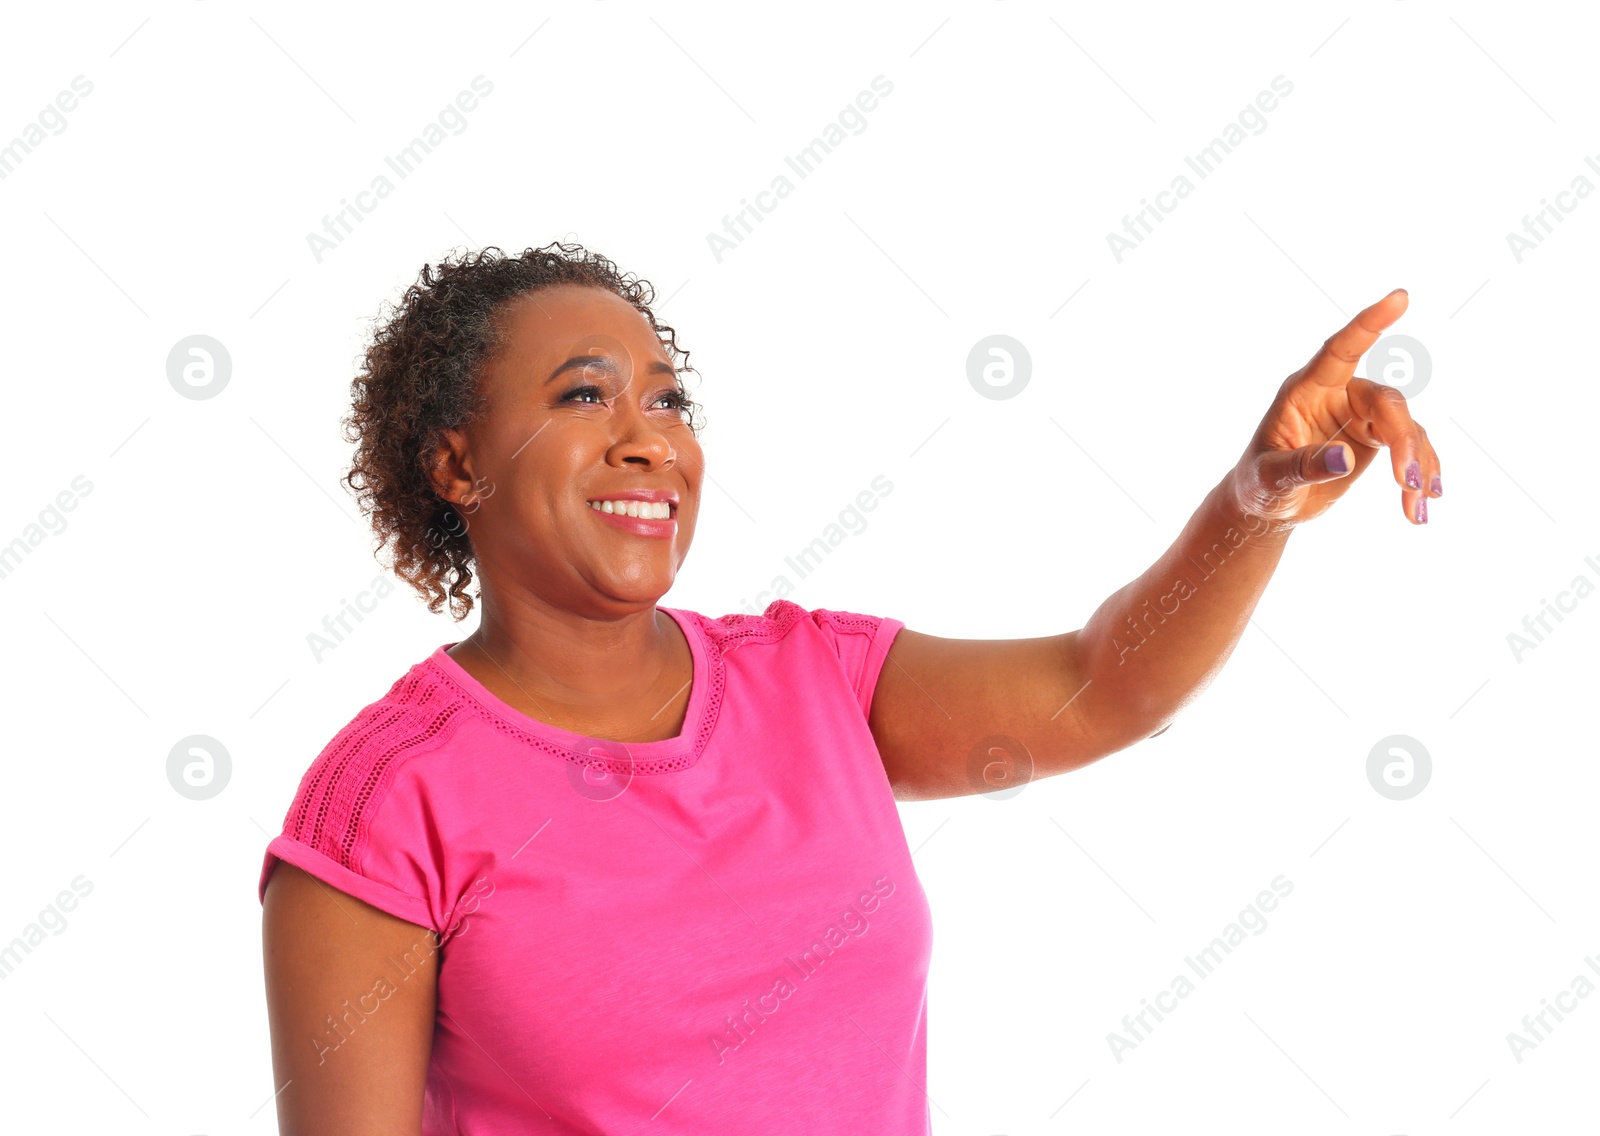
(1334, 364)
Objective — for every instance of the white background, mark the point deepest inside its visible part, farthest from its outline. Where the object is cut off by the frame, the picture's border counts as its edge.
(831, 347)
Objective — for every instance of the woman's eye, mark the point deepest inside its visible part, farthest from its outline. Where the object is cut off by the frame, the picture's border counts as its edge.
(592, 395)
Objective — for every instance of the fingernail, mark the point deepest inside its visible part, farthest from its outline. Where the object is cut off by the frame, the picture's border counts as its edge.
(1335, 460)
(1422, 510)
(1414, 475)
(1438, 490)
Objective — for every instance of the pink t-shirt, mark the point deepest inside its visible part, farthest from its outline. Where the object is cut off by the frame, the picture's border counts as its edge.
(717, 932)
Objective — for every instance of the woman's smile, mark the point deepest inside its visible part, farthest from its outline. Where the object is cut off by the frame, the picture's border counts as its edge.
(643, 512)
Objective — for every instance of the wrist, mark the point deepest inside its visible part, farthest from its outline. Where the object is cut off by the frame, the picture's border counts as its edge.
(1248, 511)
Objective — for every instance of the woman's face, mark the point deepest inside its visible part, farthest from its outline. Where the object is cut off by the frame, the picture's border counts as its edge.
(583, 406)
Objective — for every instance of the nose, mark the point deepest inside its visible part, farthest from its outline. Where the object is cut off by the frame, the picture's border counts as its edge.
(637, 440)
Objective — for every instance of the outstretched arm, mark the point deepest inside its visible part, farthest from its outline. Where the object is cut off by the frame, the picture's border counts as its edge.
(958, 716)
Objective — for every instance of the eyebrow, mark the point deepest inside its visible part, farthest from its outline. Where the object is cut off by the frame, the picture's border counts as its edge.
(606, 363)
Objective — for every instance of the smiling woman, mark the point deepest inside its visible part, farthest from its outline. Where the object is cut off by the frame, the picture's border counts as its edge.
(656, 797)
(671, 810)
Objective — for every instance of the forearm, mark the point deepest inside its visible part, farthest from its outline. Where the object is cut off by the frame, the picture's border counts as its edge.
(1154, 645)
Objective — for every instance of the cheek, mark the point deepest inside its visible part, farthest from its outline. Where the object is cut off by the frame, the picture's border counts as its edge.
(554, 452)
(540, 469)
(691, 457)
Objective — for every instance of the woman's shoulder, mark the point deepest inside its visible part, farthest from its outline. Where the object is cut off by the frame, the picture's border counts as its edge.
(735, 629)
(420, 705)
(369, 790)
(352, 772)
(815, 642)
(780, 621)
(855, 639)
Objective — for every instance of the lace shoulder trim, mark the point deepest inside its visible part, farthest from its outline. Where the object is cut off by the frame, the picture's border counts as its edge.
(344, 786)
(731, 631)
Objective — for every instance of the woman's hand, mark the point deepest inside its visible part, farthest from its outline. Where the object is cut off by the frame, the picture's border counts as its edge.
(1299, 461)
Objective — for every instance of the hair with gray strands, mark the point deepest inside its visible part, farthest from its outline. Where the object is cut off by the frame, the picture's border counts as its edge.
(419, 377)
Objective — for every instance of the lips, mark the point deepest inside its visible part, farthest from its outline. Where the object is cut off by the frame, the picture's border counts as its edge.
(658, 506)
(649, 526)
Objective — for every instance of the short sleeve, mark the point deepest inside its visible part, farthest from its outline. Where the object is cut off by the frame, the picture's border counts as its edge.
(361, 823)
(862, 643)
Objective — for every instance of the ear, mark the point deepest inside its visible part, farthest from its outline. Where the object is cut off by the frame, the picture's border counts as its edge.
(450, 470)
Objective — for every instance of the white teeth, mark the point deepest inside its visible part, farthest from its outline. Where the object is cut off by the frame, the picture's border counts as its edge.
(650, 510)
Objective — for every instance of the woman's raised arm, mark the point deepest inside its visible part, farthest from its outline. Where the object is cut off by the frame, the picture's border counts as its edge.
(959, 716)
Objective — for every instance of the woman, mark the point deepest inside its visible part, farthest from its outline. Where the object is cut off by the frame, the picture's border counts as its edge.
(604, 866)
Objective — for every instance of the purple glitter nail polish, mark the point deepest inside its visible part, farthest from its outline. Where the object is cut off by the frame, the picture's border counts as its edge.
(1438, 489)
(1414, 475)
(1422, 510)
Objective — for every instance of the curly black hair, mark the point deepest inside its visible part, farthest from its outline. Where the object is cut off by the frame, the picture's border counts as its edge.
(419, 377)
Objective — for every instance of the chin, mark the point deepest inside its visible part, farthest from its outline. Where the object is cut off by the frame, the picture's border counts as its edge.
(639, 590)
